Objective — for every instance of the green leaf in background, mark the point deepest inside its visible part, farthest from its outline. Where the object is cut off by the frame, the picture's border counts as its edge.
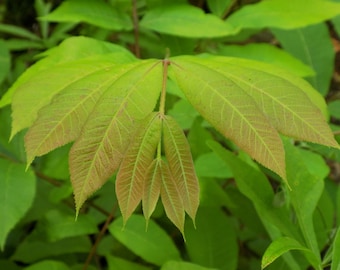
(153, 245)
(116, 263)
(48, 264)
(336, 252)
(313, 46)
(96, 12)
(5, 60)
(8, 265)
(17, 191)
(304, 195)
(31, 250)
(219, 7)
(73, 48)
(279, 14)
(334, 108)
(18, 31)
(269, 54)
(185, 21)
(59, 225)
(184, 113)
(174, 265)
(210, 165)
(282, 245)
(254, 185)
(213, 243)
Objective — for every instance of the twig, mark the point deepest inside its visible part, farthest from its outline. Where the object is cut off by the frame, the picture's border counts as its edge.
(99, 237)
(135, 28)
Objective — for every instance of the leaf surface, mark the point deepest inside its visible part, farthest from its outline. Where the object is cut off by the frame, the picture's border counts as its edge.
(269, 54)
(314, 47)
(48, 264)
(171, 265)
(5, 60)
(171, 197)
(230, 110)
(151, 189)
(14, 199)
(99, 150)
(279, 14)
(185, 21)
(154, 245)
(213, 243)
(132, 175)
(62, 120)
(96, 12)
(282, 245)
(178, 155)
(336, 252)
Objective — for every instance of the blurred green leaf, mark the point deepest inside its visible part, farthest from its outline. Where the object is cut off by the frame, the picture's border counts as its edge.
(8, 265)
(334, 108)
(185, 21)
(96, 12)
(153, 245)
(16, 44)
(18, 31)
(48, 264)
(270, 54)
(59, 225)
(282, 245)
(219, 7)
(184, 113)
(172, 265)
(313, 46)
(31, 250)
(5, 60)
(213, 242)
(116, 263)
(279, 14)
(17, 191)
(211, 165)
(336, 252)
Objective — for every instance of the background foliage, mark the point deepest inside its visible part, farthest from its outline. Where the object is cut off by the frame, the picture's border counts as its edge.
(248, 218)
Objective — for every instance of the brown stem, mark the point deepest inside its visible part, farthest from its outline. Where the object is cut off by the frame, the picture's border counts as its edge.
(99, 237)
(135, 28)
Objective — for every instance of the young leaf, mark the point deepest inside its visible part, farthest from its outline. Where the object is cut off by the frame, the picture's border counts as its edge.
(96, 12)
(171, 197)
(336, 252)
(133, 171)
(178, 155)
(62, 120)
(98, 151)
(279, 14)
(230, 110)
(282, 245)
(185, 21)
(151, 189)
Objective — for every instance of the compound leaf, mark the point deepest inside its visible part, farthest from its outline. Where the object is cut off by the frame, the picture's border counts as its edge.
(132, 173)
(178, 155)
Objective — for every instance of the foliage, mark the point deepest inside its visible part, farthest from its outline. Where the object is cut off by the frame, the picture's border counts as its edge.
(125, 102)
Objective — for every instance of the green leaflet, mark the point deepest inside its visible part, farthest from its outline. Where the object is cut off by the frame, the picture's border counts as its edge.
(71, 49)
(98, 151)
(186, 21)
(230, 110)
(151, 188)
(5, 60)
(63, 119)
(132, 174)
(279, 14)
(178, 155)
(313, 46)
(154, 245)
(96, 12)
(171, 197)
(282, 245)
(15, 200)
